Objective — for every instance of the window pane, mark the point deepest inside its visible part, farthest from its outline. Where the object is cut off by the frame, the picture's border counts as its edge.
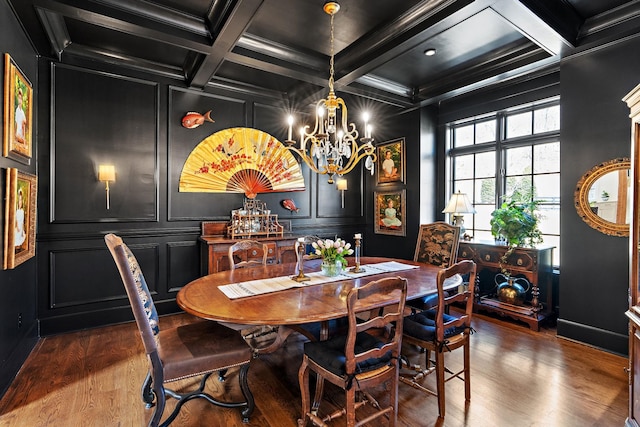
(483, 236)
(553, 241)
(465, 187)
(486, 131)
(546, 158)
(518, 185)
(518, 161)
(463, 136)
(483, 216)
(486, 164)
(519, 125)
(547, 187)
(463, 167)
(485, 191)
(546, 119)
(549, 222)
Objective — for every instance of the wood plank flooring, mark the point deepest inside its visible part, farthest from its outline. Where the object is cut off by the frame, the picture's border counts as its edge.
(519, 378)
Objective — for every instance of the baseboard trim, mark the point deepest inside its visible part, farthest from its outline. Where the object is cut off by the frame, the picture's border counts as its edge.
(96, 319)
(18, 356)
(602, 339)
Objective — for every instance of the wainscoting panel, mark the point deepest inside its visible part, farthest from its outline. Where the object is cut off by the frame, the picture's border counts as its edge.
(183, 264)
(101, 118)
(86, 276)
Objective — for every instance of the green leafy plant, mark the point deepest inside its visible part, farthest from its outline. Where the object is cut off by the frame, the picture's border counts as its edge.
(515, 223)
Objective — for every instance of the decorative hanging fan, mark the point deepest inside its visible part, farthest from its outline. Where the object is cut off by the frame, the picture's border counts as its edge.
(241, 160)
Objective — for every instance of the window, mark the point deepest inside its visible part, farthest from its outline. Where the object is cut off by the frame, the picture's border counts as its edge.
(492, 156)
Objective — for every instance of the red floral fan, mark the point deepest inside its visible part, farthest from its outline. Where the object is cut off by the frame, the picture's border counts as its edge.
(241, 160)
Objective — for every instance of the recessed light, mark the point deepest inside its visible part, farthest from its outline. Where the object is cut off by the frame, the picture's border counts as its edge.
(430, 52)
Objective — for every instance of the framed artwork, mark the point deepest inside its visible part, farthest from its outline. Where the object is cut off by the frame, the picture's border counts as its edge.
(389, 214)
(18, 113)
(391, 161)
(20, 218)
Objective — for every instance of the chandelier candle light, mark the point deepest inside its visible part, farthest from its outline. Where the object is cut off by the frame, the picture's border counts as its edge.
(331, 148)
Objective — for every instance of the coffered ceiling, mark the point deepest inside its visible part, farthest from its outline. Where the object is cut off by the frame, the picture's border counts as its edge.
(281, 47)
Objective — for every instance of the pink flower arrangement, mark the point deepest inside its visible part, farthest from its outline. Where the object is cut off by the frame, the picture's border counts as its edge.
(333, 250)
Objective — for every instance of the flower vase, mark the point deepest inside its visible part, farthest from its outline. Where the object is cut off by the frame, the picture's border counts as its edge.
(331, 268)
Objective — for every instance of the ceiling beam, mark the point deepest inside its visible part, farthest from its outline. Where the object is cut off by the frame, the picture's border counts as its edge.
(183, 40)
(203, 69)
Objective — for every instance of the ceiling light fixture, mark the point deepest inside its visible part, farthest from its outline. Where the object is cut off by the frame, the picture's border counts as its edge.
(430, 52)
(332, 147)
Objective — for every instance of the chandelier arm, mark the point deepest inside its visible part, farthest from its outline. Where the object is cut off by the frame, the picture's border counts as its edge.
(358, 153)
(308, 160)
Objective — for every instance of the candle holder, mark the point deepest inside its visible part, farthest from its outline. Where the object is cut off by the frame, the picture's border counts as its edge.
(300, 247)
(357, 268)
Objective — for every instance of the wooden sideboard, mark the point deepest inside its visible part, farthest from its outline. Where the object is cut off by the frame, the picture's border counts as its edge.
(534, 264)
(214, 252)
(214, 248)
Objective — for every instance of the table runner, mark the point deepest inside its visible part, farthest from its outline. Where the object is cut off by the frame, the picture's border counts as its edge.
(264, 286)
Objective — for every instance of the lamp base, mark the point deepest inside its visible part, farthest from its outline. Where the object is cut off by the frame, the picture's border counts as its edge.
(458, 221)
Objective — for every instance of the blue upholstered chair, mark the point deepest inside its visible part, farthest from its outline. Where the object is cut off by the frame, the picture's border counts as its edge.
(437, 245)
(436, 331)
(363, 358)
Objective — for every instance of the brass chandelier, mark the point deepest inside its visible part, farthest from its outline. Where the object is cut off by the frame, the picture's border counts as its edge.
(331, 148)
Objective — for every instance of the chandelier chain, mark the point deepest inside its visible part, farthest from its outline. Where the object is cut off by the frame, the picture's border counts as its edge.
(331, 69)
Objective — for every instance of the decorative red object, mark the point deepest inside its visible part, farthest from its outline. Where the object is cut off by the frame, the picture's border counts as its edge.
(192, 119)
(290, 205)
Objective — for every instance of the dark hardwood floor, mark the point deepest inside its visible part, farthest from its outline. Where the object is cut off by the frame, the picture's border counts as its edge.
(519, 378)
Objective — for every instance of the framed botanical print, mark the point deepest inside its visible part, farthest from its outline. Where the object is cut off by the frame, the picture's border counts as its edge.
(389, 215)
(18, 113)
(391, 161)
(20, 218)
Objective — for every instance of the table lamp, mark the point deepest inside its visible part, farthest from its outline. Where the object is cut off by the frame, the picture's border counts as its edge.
(459, 204)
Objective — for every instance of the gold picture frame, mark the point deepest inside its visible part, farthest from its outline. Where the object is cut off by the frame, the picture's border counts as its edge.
(20, 218)
(389, 214)
(391, 161)
(18, 113)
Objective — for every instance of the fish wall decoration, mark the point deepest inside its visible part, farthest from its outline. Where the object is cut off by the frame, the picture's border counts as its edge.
(289, 205)
(192, 120)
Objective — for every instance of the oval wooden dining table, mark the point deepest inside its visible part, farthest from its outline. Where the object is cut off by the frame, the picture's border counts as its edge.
(295, 306)
(292, 308)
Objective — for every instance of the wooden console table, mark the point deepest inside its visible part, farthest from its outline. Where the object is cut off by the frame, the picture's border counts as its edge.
(534, 264)
(214, 248)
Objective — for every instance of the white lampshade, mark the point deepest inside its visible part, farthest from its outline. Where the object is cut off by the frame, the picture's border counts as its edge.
(459, 203)
(106, 173)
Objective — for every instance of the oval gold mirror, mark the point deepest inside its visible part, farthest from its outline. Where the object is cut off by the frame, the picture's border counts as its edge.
(601, 197)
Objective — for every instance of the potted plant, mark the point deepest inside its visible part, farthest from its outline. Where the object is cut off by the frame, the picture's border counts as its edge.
(515, 223)
(605, 196)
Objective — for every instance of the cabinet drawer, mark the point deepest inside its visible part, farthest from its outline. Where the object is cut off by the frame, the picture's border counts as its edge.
(519, 260)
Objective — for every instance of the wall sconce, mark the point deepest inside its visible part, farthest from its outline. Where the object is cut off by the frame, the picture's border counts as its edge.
(459, 204)
(107, 173)
(341, 185)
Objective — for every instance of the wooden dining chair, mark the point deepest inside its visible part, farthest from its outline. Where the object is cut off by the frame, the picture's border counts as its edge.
(253, 253)
(438, 332)
(437, 245)
(250, 253)
(363, 358)
(194, 349)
